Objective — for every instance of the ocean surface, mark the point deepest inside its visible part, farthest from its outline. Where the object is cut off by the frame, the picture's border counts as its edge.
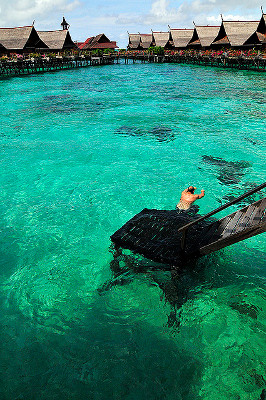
(83, 151)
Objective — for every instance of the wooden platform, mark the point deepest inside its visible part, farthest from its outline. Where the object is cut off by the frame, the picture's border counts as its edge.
(154, 234)
(170, 237)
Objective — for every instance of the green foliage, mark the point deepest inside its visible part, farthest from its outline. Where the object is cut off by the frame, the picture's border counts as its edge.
(35, 55)
(97, 52)
(108, 51)
(158, 50)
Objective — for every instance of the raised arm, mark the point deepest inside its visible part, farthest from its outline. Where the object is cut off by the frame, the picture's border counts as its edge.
(202, 194)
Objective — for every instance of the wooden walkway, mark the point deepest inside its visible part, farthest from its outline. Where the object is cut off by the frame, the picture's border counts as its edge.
(172, 237)
(40, 65)
(241, 63)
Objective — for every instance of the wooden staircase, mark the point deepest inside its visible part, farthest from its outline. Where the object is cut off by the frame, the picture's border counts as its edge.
(242, 224)
(233, 228)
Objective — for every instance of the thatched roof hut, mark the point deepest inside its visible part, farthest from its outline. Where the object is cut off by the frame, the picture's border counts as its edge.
(98, 42)
(203, 36)
(134, 41)
(181, 37)
(146, 40)
(21, 39)
(162, 39)
(237, 34)
(57, 40)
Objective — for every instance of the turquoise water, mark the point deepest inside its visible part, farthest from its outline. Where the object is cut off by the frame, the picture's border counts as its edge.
(82, 151)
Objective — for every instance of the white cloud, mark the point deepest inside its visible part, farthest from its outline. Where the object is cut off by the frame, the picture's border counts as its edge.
(25, 11)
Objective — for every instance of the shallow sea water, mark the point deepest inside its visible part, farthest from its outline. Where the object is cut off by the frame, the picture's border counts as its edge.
(82, 151)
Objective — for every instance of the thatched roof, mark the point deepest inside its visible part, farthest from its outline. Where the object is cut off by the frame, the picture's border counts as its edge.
(21, 38)
(134, 41)
(181, 37)
(204, 35)
(57, 40)
(236, 33)
(146, 40)
(161, 38)
(98, 42)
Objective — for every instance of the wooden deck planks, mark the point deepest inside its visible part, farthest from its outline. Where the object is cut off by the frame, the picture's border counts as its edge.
(245, 223)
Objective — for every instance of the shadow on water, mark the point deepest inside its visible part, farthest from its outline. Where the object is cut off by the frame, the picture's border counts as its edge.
(178, 284)
(159, 132)
(183, 283)
(229, 172)
(238, 191)
(65, 104)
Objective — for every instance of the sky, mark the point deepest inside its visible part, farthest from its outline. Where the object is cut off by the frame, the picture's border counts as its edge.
(117, 17)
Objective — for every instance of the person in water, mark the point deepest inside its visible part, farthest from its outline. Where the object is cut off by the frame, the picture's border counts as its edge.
(188, 197)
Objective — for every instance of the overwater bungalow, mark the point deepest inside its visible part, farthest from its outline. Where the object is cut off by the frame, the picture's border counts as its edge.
(237, 34)
(146, 40)
(134, 41)
(21, 40)
(162, 39)
(181, 37)
(100, 41)
(203, 36)
(57, 40)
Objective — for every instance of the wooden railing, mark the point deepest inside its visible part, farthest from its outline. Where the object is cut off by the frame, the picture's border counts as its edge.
(185, 228)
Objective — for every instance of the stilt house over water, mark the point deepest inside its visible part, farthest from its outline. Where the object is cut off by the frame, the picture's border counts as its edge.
(230, 34)
(181, 37)
(134, 41)
(21, 40)
(203, 36)
(146, 40)
(162, 39)
(98, 42)
(57, 40)
(237, 34)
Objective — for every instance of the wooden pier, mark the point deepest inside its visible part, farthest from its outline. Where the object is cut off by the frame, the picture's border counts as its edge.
(166, 236)
(39, 65)
(241, 63)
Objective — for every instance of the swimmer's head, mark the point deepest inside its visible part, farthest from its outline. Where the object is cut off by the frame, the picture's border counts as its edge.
(191, 189)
